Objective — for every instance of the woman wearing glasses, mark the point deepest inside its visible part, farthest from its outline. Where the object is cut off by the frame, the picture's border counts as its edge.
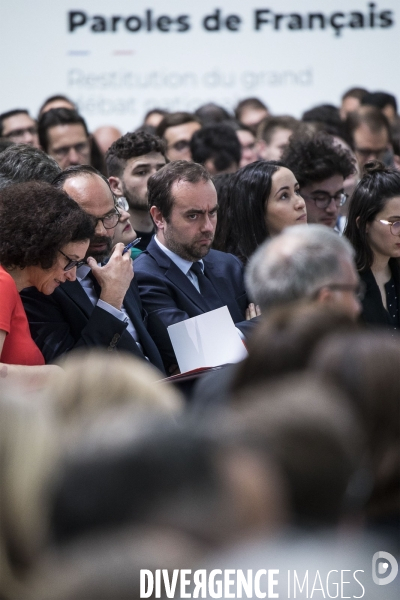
(44, 236)
(374, 230)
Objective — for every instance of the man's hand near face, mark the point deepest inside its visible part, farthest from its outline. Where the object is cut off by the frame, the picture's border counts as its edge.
(115, 277)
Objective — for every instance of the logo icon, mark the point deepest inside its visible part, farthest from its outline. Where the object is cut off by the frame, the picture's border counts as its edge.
(381, 561)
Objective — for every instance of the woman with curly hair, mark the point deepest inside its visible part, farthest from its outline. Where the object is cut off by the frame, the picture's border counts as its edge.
(260, 200)
(374, 230)
(44, 235)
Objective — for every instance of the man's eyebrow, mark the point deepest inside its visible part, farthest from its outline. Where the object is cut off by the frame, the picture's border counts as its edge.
(197, 211)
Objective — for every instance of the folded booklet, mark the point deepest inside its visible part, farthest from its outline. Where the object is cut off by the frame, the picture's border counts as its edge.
(208, 340)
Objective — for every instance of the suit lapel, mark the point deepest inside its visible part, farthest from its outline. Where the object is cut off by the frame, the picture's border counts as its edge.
(75, 291)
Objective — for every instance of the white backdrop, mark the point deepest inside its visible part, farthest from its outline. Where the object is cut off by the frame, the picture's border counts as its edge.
(118, 59)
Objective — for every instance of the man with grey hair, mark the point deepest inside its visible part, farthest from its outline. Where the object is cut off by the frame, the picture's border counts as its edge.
(302, 264)
(20, 163)
(305, 263)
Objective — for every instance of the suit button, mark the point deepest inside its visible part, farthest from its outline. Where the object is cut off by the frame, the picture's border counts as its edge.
(113, 342)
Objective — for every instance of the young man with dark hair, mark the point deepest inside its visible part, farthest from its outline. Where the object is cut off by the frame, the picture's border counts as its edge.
(351, 100)
(63, 134)
(250, 112)
(320, 166)
(217, 148)
(130, 161)
(385, 102)
(179, 276)
(177, 129)
(18, 127)
(370, 135)
(273, 134)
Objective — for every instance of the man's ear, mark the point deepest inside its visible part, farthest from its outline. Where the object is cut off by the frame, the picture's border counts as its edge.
(116, 185)
(324, 296)
(157, 217)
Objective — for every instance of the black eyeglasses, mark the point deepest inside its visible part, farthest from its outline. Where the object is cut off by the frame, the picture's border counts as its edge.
(323, 199)
(109, 221)
(72, 263)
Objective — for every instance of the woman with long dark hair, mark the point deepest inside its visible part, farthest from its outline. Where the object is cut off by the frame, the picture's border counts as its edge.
(374, 230)
(261, 200)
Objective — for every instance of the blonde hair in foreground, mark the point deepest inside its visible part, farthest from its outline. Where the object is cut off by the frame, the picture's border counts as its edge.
(95, 380)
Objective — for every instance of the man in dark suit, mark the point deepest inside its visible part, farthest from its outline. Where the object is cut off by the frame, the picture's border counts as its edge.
(102, 306)
(179, 276)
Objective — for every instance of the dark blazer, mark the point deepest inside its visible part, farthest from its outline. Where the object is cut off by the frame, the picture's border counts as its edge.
(373, 311)
(67, 320)
(169, 296)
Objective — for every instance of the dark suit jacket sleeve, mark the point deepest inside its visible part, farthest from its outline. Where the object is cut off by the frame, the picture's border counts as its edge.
(158, 299)
(58, 326)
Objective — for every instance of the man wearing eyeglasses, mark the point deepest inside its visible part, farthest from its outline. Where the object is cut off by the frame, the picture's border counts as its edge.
(64, 136)
(177, 129)
(102, 307)
(320, 166)
(371, 136)
(17, 126)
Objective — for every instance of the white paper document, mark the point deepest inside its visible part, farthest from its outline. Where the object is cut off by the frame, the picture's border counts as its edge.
(208, 340)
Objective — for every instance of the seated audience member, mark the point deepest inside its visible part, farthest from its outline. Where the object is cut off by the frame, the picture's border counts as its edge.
(351, 101)
(303, 265)
(373, 228)
(44, 235)
(105, 136)
(154, 117)
(385, 102)
(124, 232)
(179, 276)
(213, 489)
(320, 166)
(250, 112)
(210, 114)
(177, 129)
(130, 161)
(263, 198)
(286, 339)
(365, 365)
(370, 135)
(273, 135)
(64, 136)
(29, 459)
(22, 163)
(313, 433)
(96, 380)
(217, 148)
(101, 306)
(326, 117)
(57, 101)
(248, 142)
(18, 127)
(310, 264)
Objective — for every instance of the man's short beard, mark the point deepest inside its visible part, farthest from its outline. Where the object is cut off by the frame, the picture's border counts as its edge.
(100, 256)
(186, 251)
(135, 203)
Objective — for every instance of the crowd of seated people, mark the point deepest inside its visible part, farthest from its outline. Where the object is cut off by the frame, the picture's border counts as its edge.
(111, 461)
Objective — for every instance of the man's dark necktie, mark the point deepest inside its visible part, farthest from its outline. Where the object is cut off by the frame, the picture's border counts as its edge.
(207, 290)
